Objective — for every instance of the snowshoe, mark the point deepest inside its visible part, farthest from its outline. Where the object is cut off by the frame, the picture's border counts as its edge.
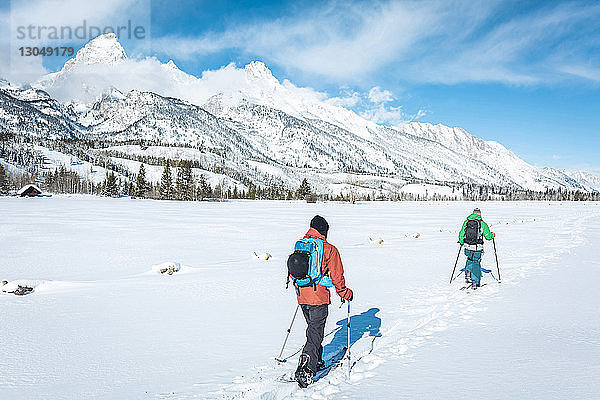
(303, 374)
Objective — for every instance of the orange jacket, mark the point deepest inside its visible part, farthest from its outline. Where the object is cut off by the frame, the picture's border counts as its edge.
(332, 267)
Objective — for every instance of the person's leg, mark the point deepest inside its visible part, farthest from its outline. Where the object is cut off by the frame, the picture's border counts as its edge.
(321, 313)
(301, 375)
(321, 362)
(476, 268)
(317, 316)
(307, 348)
(468, 266)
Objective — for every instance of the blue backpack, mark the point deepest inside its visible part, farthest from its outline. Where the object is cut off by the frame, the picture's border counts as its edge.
(304, 264)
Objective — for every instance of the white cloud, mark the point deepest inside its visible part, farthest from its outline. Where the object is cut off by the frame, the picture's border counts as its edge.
(336, 40)
(348, 99)
(440, 41)
(521, 50)
(86, 82)
(582, 71)
(420, 114)
(385, 115)
(390, 115)
(378, 95)
(375, 105)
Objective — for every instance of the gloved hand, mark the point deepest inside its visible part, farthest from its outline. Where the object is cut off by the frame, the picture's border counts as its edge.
(349, 295)
(493, 234)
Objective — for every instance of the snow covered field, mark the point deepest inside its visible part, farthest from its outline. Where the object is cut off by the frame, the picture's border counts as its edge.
(104, 323)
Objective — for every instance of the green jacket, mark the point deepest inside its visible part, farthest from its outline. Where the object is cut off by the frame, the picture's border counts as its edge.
(485, 229)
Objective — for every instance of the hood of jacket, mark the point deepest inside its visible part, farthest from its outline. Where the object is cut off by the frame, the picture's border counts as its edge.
(315, 234)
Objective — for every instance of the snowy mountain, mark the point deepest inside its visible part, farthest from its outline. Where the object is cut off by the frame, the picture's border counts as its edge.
(32, 112)
(587, 179)
(247, 116)
(150, 117)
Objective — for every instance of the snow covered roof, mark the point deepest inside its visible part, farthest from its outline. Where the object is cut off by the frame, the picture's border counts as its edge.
(26, 187)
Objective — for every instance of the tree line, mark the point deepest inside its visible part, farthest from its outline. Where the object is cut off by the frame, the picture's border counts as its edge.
(179, 183)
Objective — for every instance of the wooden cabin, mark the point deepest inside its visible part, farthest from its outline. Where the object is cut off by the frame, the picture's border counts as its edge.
(30, 190)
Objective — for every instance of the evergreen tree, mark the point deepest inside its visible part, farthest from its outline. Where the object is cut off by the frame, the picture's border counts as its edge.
(251, 191)
(64, 181)
(110, 184)
(218, 191)
(184, 185)
(204, 189)
(131, 190)
(3, 181)
(141, 187)
(304, 189)
(123, 187)
(166, 183)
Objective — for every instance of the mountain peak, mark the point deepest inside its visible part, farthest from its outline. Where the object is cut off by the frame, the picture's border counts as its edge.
(258, 70)
(171, 65)
(113, 93)
(104, 49)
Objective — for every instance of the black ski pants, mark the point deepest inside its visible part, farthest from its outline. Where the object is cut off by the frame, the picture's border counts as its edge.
(315, 317)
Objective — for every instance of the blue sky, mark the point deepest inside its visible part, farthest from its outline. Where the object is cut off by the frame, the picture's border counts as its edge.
(524, 73)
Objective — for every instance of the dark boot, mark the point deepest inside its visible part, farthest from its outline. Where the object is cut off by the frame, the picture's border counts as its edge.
(303, 374)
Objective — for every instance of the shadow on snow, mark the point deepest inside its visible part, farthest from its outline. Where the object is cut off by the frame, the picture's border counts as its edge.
(365, 323)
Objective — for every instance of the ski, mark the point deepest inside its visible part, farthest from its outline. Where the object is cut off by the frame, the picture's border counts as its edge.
(470, 286)
(466, 288)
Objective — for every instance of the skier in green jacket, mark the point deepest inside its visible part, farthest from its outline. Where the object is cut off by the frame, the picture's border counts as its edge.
(471, 235)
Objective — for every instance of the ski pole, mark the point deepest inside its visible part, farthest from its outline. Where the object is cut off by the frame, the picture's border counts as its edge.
(496, 254)
(348, 326)
(456, 262)
(457, 276)
(287, 336)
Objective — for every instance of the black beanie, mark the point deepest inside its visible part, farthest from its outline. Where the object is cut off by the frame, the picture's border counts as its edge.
(320, 225)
